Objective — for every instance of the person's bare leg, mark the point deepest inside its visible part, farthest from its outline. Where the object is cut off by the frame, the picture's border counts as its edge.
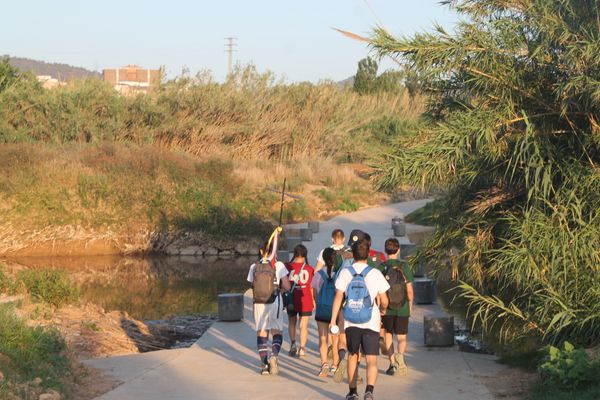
(335, 343)
(303, 332)
(371, 370)
(401, 343)
(352, 370)
(389, 344)
(292, 328)
(323, 333)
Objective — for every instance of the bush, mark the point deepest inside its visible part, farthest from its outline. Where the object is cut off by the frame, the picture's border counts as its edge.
(569, 367)
(48, 285)
(30, 352)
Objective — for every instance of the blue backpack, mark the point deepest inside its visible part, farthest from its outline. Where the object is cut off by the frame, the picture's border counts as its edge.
(359, 306)
(325, 297)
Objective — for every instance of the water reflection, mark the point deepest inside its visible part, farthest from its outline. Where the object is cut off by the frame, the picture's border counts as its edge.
(152, 287)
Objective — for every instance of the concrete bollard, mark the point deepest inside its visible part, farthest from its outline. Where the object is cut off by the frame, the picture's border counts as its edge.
(438, 330)
(420, 271)
(313, 226)
(407, 249)
(293, 242)
(283, 256)
(291, 232)
(424, 291)
(231, 306)
(306, 234)
(399, 230)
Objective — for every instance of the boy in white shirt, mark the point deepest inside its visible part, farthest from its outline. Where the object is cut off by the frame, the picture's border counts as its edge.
(361, 336)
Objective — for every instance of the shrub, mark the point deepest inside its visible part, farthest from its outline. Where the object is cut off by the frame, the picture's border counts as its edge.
(30, 352)
(569, 367)
(48, 285)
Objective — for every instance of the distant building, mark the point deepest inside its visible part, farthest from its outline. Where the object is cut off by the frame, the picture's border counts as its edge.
(48, 82)
(132, 79)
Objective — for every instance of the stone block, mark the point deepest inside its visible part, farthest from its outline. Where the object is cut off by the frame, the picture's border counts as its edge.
(293, 242)
(407, 250)
(291, 232)
(397, 221)
(306, 234)
(399, 230)
(231, 306)
(438, 330)
(313, 226)
(190, 251)
(283, 256)
(424, 291)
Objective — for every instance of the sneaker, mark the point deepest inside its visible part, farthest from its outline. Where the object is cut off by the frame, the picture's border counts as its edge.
(392, 370)
(264, 370)
(293, 350)
(352, 396)
(333, 368)
(301, 353)
(341, 371)
(368, 396)
(324, 370)
(273, 365)
(402, 369)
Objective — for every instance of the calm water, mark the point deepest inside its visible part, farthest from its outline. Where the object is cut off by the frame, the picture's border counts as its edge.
(152, 287)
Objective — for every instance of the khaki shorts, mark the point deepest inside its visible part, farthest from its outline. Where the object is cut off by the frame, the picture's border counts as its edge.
(268, 316)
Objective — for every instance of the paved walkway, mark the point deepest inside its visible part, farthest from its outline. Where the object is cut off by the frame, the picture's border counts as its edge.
(223, 364)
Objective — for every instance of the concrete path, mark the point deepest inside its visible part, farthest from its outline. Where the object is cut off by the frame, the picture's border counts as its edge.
(223, 364)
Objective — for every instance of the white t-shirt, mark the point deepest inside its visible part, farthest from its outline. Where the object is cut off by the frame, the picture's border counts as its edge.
(376, 284)
(333, 246)
(280, 271)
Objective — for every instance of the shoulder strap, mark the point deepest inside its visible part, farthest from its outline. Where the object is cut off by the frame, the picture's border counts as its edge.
(352, 270)
(366, 271)
(299, 273)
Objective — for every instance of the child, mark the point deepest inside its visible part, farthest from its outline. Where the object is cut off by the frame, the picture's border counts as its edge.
(267, 278)
(395, 320)
(323, 285)
(302, 274)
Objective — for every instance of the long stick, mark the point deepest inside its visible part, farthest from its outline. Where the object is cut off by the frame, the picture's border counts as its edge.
(282, 199)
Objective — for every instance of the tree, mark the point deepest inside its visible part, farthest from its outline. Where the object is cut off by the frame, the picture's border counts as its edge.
(366, 76)
(514, 143)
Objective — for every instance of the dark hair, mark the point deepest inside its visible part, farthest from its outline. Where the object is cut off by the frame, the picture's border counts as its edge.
(368, 239)
(338, 234)
(300, 251)
(360, 250)
(391, 246)
(329, 256)
(263, 251)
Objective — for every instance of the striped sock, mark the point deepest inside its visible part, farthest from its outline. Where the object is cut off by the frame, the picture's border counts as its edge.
(277, 340)
(263, 348)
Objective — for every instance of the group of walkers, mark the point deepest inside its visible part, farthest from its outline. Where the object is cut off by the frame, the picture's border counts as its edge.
(360, 298)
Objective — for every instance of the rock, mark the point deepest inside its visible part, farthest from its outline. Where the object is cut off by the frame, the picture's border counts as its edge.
(190, 251)
(37, 381)
(50, 395)
(172, 250)
(1, 376)
(225, 253)
(211, 251)
(246, 248)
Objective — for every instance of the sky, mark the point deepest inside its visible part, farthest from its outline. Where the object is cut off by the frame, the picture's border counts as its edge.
(292, 38)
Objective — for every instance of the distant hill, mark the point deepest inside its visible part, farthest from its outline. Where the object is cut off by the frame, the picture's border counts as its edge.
(348, 82)
(59, 71)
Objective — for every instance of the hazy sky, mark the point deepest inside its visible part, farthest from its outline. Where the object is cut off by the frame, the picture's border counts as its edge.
(292, 38)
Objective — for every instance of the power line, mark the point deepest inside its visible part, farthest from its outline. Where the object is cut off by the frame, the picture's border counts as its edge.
(230, 49)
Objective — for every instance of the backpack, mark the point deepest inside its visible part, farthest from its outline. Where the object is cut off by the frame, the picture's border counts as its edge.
(264, 287)
(397, 292)
(341, 255)
(359, 306)
(325, 297)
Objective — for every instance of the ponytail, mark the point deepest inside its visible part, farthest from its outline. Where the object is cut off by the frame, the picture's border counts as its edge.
(329, 257)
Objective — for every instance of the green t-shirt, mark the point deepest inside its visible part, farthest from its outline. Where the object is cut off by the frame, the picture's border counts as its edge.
(403, 311)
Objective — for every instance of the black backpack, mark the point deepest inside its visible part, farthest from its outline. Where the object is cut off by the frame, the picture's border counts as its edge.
(397, 292)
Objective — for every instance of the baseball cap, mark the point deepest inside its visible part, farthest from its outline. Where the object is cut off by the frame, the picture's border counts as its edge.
(355, 236)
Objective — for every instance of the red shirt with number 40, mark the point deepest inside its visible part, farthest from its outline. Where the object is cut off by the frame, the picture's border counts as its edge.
(303, 301)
